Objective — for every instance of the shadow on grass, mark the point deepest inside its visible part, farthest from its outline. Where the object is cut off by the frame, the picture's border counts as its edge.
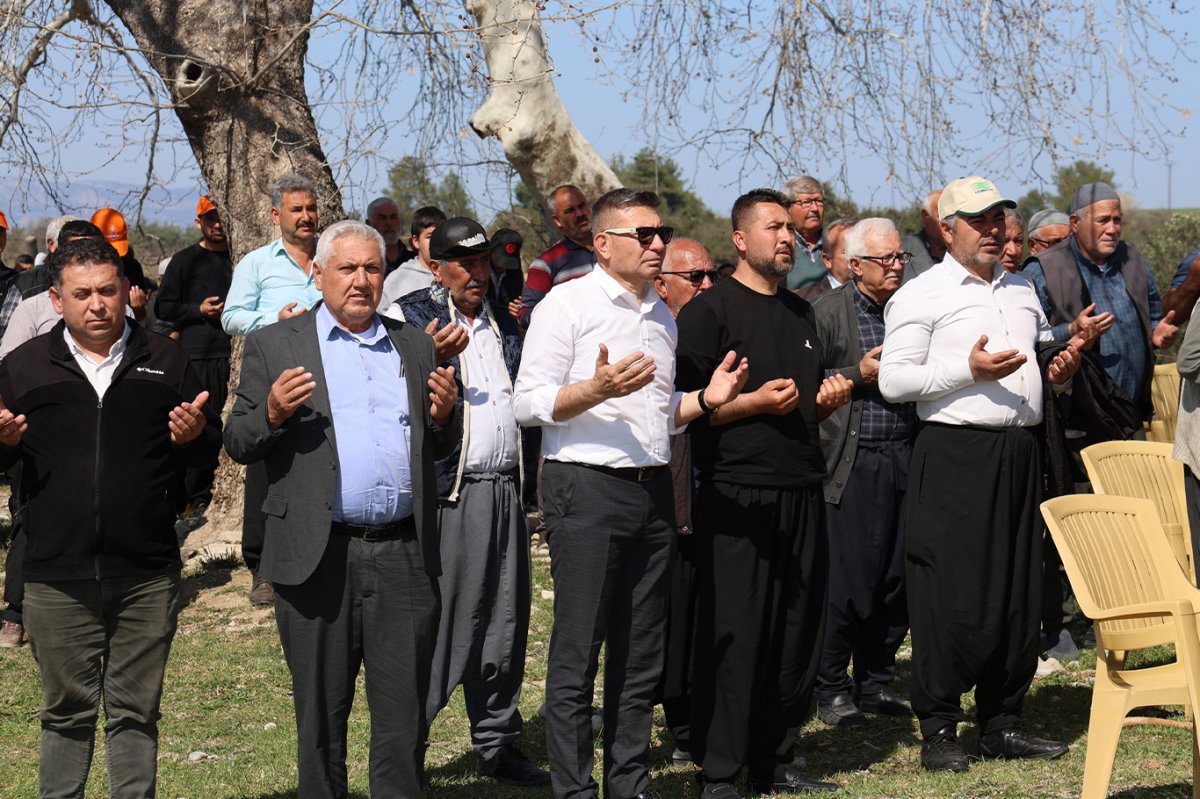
(210, 574)
(295, 795)
(456, 778)
(1176, 790)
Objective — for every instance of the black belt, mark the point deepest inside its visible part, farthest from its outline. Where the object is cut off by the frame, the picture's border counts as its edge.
(375, 532)
(637, 474)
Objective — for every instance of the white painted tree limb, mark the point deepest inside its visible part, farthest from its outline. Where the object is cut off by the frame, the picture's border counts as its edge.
(524, 110)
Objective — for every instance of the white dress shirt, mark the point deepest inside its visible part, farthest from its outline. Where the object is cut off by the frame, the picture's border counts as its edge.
(99, 374)
(933, 323)
(561, 348)
(491, 426)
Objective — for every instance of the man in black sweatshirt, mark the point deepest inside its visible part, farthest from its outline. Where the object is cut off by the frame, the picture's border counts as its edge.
(191, 298)
(100, 414)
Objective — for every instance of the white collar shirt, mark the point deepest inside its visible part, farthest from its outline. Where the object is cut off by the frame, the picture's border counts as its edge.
(934, 321)
(99, 374)
(561, 348)
(492, 428)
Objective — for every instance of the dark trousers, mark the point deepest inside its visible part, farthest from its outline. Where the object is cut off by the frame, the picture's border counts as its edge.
(485, 591)
(867, 615)
(366, 604)
(675, 688)
(254, 521)
(763, 565)
(213, 374)
(14, 562)
(1191, 488)
(974, 572)
(610, 546)
(101, 641)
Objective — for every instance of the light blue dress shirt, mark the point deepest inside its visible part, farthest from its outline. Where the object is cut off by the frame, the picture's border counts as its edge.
(368, 396)
(264, 281)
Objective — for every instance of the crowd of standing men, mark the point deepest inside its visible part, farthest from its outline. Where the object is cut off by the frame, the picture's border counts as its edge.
(750, 479)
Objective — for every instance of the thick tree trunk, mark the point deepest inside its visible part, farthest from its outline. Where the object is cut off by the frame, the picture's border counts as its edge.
(235, 71)
(524, 110)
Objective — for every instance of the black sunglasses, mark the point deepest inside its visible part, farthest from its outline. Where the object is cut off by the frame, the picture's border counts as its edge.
(645, 234)
(696, 276)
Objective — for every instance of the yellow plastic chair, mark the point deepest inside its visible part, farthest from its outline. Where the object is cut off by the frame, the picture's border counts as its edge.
(1127, 581)
(1164, 394)
(1146, 470)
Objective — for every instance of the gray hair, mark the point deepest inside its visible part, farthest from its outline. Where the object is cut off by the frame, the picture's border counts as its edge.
(1012, 215)
(802, 184)
(347, 228)
(833, 227)
(927, 203)
(854, 245)
(288, 184)
(378, 201)
(56, 225)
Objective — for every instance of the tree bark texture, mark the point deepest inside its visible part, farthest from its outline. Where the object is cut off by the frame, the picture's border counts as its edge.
(235, 72)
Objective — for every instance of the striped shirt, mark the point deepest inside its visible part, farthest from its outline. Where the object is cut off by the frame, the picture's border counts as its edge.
(564, 261)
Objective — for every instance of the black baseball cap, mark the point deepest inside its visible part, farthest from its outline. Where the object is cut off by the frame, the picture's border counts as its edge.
(458, 237)
(507, 252)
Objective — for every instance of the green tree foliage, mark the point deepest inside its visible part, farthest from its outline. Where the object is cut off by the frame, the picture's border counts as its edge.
(412, 187)
(1167, 244)
(1066, 180)
(681, 208)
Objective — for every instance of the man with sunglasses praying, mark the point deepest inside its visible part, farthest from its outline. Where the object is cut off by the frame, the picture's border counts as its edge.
(759, 512)
(686, 272)
(597, 374)
(868, 446)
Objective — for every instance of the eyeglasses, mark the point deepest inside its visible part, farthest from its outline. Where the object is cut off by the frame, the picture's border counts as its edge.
(696, 276)
(810, 203)
(645, 235)
(1044, 243)
(903, 258)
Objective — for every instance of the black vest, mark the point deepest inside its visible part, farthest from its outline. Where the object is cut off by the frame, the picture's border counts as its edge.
(1068, 294)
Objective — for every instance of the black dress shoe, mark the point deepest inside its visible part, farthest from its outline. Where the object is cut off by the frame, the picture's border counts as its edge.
(941, 751)
(509, 766)
(885, 703)
(793, 782)
(840, 711)
(1017, 744)
(719, 790)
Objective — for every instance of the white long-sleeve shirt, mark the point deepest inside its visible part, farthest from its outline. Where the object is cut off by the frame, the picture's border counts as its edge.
(560, 348)
(934, 321)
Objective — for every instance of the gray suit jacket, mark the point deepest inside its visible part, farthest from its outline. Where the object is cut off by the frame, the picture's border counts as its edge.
(301, 456)
(837, 326)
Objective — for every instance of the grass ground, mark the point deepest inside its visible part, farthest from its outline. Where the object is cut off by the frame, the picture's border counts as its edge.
(228, 729)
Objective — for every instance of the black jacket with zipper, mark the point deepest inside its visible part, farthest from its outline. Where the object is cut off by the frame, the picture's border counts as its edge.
(99, 474)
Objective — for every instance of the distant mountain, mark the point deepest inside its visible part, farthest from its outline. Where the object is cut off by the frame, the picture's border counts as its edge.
(27, 206)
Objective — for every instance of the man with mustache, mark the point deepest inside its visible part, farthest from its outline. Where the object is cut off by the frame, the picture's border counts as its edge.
(485, 580)
(270, 284)
(961, 343)
(348, 411)
(1096, 280)
(926, 244)
(759, 511)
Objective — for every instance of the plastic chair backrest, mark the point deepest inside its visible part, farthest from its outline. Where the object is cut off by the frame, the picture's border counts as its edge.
(1146, 470)
(1164, 395)
(1116, 555)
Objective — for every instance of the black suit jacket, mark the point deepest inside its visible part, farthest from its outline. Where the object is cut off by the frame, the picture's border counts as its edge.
(301, 456)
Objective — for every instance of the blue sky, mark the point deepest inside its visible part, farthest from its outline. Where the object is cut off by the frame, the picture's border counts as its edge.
(599, 106)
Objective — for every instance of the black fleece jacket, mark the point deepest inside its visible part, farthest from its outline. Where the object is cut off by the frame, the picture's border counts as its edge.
(98, 475)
